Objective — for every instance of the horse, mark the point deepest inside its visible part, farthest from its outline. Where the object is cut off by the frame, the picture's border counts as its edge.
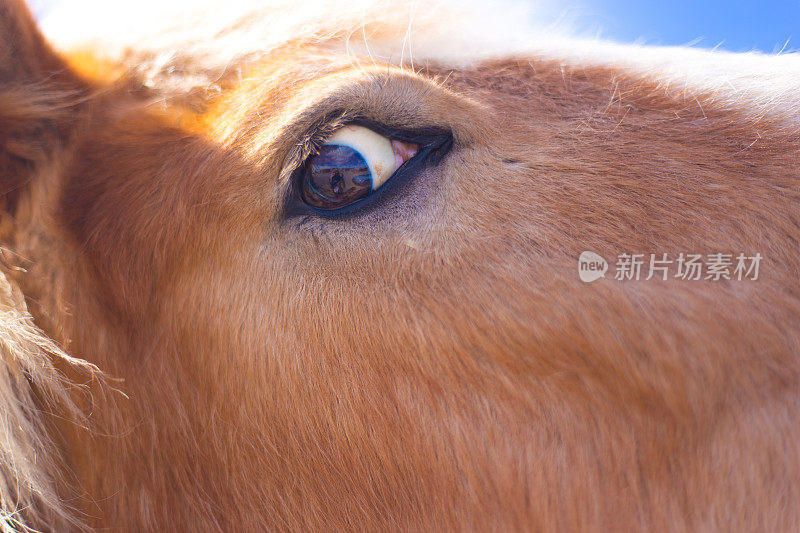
(363, 267)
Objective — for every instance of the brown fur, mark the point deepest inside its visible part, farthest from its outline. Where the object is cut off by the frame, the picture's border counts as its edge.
(433, 364)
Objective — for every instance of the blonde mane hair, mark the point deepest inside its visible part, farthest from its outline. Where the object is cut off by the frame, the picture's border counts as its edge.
(32, 390)
(190, 45)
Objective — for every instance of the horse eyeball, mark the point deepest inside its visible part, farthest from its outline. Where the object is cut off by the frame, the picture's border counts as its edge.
(354, 162)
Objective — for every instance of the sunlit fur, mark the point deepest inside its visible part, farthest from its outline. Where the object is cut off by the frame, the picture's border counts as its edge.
(179, 352)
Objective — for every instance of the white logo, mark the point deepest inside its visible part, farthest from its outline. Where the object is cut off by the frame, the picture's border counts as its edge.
(591, 267)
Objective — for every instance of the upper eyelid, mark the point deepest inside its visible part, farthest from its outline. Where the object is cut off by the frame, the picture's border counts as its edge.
(397, 104)
(317, 134)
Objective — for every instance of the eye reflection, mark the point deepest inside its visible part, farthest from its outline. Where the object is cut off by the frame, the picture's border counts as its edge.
(354, 162)
(337, 176)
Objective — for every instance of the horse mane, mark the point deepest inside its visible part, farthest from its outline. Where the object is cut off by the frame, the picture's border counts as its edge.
(33, 388)
(191, 45)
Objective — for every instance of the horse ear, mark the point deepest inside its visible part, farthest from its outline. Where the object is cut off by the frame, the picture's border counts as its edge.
(38, 93)
(24, 54)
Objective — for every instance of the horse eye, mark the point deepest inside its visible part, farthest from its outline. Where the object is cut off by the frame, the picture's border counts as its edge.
(353, 163)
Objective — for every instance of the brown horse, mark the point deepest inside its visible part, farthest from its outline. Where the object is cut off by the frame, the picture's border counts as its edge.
(305, 269)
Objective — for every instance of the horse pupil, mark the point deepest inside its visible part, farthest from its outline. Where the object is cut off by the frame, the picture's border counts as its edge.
(336, 177)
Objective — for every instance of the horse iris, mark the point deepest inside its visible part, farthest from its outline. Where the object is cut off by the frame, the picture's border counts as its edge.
(337, 176)
(354, 162)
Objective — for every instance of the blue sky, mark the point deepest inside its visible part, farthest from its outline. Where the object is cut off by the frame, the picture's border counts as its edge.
(733, 25)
